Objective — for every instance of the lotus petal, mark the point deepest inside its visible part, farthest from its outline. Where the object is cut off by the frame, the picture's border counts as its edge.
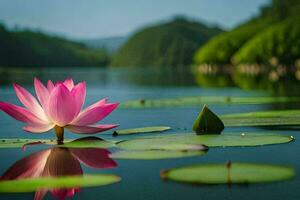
(69, 83)
(97, 104)
(20, 113)
(79, 93)
(50, 86)
(92, 116)
(38, 128)
(30, 102)
(42, 92)
(61, 106)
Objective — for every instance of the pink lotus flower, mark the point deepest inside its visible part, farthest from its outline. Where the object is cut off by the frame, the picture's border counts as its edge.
(57, 162)
(59, 106)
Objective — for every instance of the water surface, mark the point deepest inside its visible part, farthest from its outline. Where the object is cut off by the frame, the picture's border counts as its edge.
(140, 179)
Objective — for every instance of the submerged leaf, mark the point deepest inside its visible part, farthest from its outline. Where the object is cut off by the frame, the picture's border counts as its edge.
(155, 154)
(233, 173)
(32, 184)
(225, 140)
(208, 122)
(263, 118)
(149, 129)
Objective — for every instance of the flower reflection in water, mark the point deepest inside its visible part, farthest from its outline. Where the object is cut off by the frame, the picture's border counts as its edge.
(59, 161)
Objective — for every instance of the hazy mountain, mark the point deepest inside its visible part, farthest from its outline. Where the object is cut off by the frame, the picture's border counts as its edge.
(111, 44)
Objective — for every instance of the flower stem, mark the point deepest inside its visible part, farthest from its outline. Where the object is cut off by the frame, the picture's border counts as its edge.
(59, 134)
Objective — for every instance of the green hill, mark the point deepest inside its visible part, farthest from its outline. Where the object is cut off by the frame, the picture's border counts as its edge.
(33, 49)
(222, 48)
(169, 44)
(281, 41)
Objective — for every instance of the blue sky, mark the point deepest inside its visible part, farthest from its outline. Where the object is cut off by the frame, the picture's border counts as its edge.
(105, 18)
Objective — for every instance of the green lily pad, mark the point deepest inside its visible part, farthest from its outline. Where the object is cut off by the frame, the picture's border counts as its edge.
(18, 143)
(208, 122)
(224, 140)
(263, 118)
(149, 129)
(198, 100)
(173, 146)
(87, 142)
(33, 184)
(233, 173)
(155, 154)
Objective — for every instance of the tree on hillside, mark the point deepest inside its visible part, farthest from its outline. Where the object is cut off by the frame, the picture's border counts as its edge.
(281, 41)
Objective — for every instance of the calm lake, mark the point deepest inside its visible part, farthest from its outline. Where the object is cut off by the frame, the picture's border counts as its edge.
(141, 179)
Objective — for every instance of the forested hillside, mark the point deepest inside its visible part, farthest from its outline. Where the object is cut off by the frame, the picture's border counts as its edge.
(274, 33)
(33, 49)
(168, 44)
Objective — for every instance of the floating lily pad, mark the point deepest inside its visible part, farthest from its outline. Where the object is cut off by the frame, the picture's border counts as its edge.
(198, 100)
(18, 143)
(155, 154)
(263, 118)
(173, 146)
(149, 129)
(87, 142)
(234, 173)
(208, 122)
(31, 185)
(225, 140)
